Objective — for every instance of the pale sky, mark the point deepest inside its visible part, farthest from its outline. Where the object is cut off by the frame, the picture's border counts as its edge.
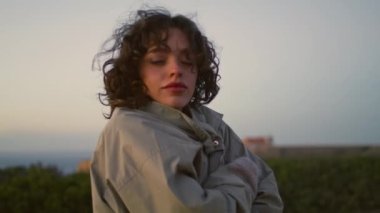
(304, 72)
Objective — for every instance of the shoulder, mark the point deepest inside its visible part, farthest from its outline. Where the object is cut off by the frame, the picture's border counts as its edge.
(128, 127)
(129, 119)
(124, 114)
(210, 112)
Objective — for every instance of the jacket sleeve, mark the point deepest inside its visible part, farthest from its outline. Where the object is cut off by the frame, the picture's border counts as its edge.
(268, 198)
(145, 169)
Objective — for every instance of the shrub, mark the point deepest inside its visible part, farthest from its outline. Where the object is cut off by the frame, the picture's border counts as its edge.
(328, 184)
(43, 189)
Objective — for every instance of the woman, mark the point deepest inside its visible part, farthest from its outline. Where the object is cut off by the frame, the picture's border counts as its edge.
(162, 150)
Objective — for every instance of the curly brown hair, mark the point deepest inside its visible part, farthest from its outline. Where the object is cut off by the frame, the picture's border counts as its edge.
(129, 43)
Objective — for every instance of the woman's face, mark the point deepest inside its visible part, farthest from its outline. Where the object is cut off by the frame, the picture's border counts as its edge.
(168, 71)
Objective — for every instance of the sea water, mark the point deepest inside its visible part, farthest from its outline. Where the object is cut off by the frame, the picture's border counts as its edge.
(66, 161)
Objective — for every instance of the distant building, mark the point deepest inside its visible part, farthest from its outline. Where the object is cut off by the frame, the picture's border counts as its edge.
(258, 144)
(263, 146)
(320, 151)
(83, 166)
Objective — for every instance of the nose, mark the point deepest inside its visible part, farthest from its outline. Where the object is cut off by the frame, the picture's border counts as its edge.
(175, 67)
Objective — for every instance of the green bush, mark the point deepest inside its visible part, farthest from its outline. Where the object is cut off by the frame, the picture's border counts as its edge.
(43, 189)
(329, 184)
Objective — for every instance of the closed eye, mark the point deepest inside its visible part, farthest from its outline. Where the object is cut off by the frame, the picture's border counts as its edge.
(187, 63)
(157, 61)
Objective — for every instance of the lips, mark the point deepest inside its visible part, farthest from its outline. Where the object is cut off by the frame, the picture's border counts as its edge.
(175, 85)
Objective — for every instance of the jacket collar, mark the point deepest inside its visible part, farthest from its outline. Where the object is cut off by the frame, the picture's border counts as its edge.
(177, 118)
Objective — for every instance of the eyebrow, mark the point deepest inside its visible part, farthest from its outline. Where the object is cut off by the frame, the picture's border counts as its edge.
(159, 48)
(166, 49)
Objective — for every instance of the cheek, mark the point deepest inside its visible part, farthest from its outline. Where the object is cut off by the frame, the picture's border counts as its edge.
(151, 79)
(145, 73)
(194, 80)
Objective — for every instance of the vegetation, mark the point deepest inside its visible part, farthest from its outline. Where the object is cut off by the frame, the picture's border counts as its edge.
(43, 189)
(330, 184)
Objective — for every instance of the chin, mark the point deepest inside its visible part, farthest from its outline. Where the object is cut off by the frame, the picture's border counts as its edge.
(177, 104)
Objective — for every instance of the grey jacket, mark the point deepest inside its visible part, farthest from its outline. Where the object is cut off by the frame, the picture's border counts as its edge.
(157, 159)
